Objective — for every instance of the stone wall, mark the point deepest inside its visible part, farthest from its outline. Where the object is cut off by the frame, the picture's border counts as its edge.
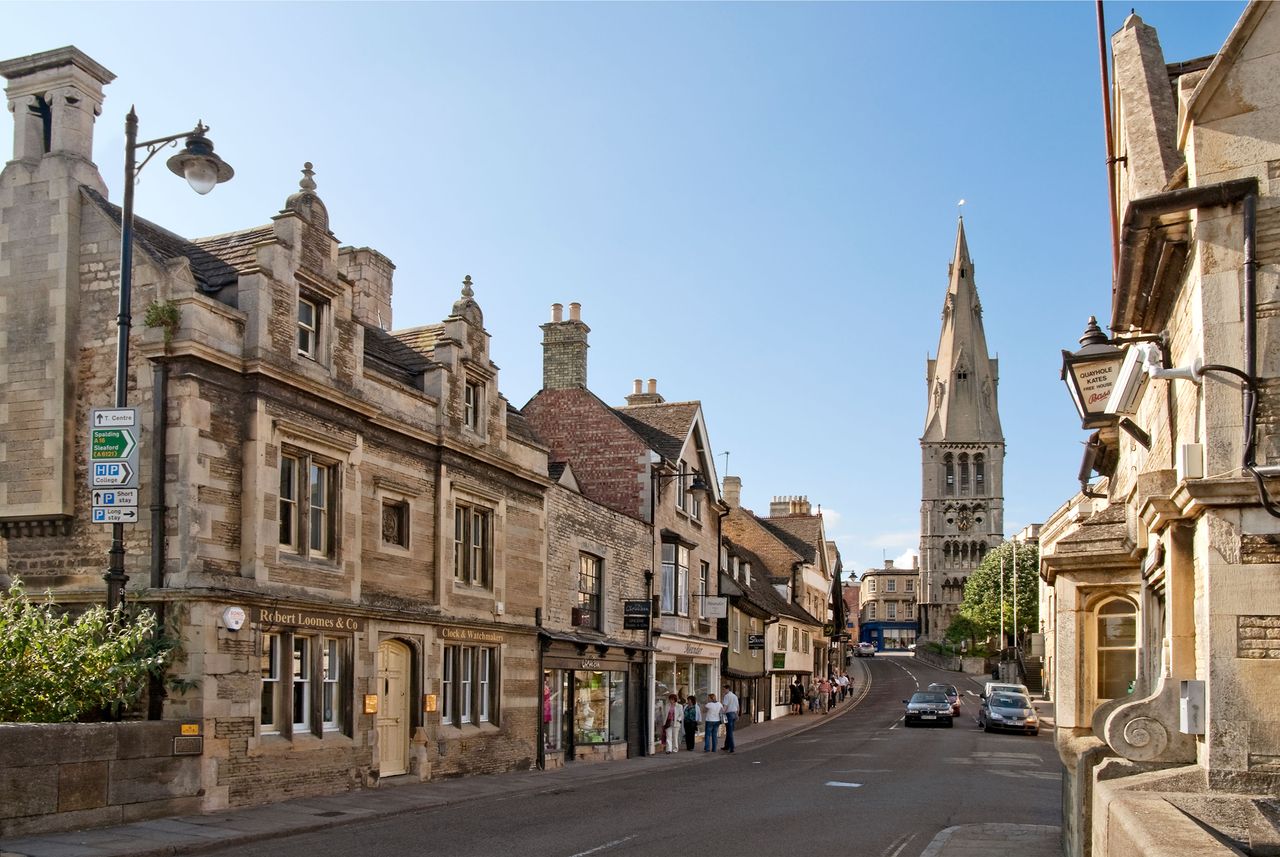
(70, 776)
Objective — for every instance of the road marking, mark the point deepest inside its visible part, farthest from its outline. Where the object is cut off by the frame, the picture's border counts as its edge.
(600, 848)
(901, 842)
(837, 784)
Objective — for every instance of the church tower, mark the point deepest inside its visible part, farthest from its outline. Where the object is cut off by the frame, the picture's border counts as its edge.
(961, 452)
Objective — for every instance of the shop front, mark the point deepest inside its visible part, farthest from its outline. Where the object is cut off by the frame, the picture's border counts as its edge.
(686, 667)
(591, 701)
(753, 696)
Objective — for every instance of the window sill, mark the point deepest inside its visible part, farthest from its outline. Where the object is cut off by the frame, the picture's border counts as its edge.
(287, 556)
(274, 743)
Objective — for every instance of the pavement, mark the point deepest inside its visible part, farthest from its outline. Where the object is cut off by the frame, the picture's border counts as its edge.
(192, 834)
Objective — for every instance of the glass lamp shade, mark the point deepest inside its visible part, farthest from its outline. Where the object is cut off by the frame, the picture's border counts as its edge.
(201, 174)
(197, 163)
(1090, 374)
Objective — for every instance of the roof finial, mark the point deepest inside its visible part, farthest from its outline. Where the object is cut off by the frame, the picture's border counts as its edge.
(466, 287)
(307, 182)
(960, 208)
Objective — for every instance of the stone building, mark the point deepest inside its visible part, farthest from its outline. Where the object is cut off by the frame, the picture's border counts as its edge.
(641, 461)
(349, 533)
(754, 606)
(962, 452)
(1165, 614)
(887, 613)
(796, 644)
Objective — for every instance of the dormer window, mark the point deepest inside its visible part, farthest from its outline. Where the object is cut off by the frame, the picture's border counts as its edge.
(308, 329)
(473, 396)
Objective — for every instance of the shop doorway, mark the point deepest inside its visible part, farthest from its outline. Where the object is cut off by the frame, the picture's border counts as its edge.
(393, 708)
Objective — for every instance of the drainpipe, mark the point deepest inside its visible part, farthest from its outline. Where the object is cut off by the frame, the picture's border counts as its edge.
(159, 414)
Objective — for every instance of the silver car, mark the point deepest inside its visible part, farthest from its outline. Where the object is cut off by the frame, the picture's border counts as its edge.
(1010, 711)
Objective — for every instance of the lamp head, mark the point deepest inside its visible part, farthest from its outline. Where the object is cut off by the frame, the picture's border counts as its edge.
(197, 163)
(698, 488)
(1090, 373)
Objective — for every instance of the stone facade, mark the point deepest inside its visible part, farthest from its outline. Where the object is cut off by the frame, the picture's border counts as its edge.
(1163, 598)
(962, 453)
(887, 610)
(353, 523)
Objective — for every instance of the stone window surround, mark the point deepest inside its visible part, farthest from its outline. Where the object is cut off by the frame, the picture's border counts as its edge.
(317, 733)
(470, 495)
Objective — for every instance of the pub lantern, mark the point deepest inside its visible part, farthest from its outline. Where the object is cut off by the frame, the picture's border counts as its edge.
(1091, 373)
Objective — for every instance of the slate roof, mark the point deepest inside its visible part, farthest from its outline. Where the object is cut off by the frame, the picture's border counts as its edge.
(518, 427)
(665, 426)
(801, 533)
(389, 356)
(238, 249)
(421, 339)
(210, 271)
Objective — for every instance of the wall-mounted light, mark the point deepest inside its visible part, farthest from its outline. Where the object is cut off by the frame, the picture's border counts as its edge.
(1090, 375)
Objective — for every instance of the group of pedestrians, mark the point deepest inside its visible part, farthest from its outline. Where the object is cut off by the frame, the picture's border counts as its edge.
(682, 718)
(819, 695)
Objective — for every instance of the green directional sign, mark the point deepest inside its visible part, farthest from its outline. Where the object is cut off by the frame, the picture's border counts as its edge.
(111, 444)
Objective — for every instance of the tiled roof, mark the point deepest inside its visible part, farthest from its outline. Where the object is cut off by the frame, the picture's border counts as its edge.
(518, 426)
(420, 339)
(385, 354)
(802, 533)
(665, 427)
(555, 469)
(238, 249)
(209, 270)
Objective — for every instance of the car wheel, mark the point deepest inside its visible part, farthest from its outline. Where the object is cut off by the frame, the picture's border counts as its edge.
(950, 723)
(986, 727)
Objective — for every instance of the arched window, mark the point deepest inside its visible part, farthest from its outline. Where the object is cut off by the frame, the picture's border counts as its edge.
(949, 465)
(1117, 648)
(946, 555)
(964, 473)
(979, 473)
(982, 551)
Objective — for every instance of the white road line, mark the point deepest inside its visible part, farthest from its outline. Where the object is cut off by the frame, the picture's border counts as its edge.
(841, 785)
(599, 848)
(901, 842)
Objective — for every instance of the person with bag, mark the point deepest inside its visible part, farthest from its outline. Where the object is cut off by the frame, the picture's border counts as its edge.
(671, 724)
(690, 722)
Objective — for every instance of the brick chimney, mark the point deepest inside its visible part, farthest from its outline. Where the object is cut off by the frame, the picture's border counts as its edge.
(732, 491)
(648, 397)
(564, 349)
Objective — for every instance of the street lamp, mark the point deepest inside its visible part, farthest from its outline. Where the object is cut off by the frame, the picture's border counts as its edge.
(203, 170)
(1090, 373)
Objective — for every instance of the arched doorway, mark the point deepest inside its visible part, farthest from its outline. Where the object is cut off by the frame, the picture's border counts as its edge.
(393, 708)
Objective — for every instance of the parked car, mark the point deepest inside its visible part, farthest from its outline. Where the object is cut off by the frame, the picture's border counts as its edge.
(1011, 711)
(927, 706)
(1004, 687)
(953, 696)
(866, 650)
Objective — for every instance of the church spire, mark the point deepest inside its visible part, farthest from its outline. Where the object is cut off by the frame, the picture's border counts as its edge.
(962, 379)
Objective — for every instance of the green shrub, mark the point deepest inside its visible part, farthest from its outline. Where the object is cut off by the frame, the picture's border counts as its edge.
(59, 668)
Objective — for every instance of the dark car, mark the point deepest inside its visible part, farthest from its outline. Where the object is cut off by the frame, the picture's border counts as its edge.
(1010, 711)
(926, 707)
(953, 696)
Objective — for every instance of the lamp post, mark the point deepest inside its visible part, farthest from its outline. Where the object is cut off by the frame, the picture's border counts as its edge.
(203, 170)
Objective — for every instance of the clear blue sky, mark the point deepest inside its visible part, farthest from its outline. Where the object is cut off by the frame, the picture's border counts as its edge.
(755, 203)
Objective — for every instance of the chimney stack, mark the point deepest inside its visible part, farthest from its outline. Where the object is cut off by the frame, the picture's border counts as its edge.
(651, 397)
(732, 491)
(54, 96)
(564, 350)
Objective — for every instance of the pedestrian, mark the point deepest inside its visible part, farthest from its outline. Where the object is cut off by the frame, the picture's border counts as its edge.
(811, 694)
(690, 722)
(711, 724)
(824, 694)
(844, 686)
(730, 717)
(797, 696)
(671, 723)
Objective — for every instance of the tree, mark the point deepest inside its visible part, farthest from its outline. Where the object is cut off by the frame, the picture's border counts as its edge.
(982, 602)
(59, 668)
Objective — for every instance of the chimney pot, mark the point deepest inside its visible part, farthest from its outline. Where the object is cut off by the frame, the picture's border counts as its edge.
(653, 385)
(637, 387)
(575, 311)
(557, 312)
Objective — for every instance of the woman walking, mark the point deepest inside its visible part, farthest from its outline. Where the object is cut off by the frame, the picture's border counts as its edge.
(711, 724)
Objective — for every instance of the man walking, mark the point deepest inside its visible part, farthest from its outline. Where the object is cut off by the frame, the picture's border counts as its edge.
(730, 702)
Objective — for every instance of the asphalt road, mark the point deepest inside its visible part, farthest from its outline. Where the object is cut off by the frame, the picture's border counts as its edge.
(861, 784)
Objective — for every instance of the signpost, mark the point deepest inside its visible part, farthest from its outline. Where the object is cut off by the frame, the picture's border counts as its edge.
(113, 465)
(755, 641)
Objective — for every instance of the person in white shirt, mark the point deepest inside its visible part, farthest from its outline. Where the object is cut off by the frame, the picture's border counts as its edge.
(730, 717)
(711, 724)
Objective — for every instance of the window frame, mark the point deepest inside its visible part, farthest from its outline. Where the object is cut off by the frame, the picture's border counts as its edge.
(472, 544)
(891, 585)
(590, 569)
(312, 331)
(271, 644)
(310, 536)
(473, 404)
(316, 699)
(470, 679)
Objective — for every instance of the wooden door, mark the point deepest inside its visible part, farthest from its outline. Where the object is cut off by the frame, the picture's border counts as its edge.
(393, 708)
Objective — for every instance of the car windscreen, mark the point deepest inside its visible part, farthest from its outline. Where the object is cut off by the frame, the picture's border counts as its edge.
(929, 697)
(1005, 701)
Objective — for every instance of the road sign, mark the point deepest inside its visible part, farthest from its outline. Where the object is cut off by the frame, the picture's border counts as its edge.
(113, 462)
(116, 497)
(109, 444)
(111, 473)
(115, 515)
(115, 418)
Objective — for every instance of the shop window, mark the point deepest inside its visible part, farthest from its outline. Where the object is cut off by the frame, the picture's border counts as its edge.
(469, 685)
(588, 591)
(599, 700)
(307, 504)
(395, 523)
(1117, 648)
(472, 557)
(316, 698)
